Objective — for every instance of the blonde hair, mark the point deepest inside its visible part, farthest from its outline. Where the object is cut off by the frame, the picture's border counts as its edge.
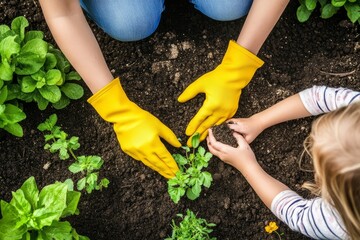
(334, 144)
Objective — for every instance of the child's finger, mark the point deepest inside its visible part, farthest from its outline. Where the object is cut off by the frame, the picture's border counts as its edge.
(240, 139)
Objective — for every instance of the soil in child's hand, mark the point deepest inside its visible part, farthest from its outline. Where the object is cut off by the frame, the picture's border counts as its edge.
(223, 133)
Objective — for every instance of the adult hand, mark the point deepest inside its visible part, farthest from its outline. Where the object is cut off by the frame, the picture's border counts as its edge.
(137, 131)
(222, 88)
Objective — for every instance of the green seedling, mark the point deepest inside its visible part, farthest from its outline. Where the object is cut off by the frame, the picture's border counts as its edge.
(33, 214)
(190, 178)
(191, 227)
(58, 139)
(10, 115)
(329, 8)
(87, 165)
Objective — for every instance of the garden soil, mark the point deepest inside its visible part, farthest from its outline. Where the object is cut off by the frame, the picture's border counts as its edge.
(154, 72)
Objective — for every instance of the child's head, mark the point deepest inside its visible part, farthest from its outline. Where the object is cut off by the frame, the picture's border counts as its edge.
(335, 149)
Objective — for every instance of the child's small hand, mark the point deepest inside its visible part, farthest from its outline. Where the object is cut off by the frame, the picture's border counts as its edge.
(237, 157)
(247, 127)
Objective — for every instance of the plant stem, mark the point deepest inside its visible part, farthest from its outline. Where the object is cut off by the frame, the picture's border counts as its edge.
(72, 154)
(278, 234)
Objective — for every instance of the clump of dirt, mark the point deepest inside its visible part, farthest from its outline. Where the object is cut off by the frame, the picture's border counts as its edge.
(224, 134)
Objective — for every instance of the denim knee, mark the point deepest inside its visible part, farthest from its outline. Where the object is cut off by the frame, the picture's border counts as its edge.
(223, 10)
(125, 20)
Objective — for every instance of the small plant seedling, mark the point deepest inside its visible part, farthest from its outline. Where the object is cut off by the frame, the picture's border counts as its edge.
(34, 214)
(191, 227)
(87, 165)
(190, 178)
(60, 142)
(84, 164)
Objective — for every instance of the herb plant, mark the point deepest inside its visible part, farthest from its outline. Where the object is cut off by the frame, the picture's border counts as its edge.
(190, 178)
(58, 141)
(191, 227)
(328, 8)
(33, 69)
(33, 214)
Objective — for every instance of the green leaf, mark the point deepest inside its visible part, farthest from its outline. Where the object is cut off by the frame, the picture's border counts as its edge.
(9, 231)
(50, 61)
(18, 25)
(58, 230)
(353, 11)
(27, 84)
(14, 114)
(30, 35)
(81, 184)
(52, 202)
(50, 93)
(303, 13)
(15, 129)
(40, 100)
(207, 179)
(3, 30)
(22, 205)
(49, 123)
(6, 72)
(32, 57)
(31, 192)
(72, 90)
(195, 140)
(328, 11)
(75, 167)
(53, 76)
(72, 76)
(310, 4)
(191, 194)
(338, 3)
(62, 103)
(72, 201)
(9, 47)
(3, 95)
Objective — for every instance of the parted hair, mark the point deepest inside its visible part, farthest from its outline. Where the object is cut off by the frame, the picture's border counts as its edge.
(334, 145)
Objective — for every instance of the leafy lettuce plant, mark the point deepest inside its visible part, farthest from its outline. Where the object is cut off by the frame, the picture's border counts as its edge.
(190, 178)
(10, 115)
(33, 214)
(191, 227)
(328, 8)
(41, 71)
(58, 141)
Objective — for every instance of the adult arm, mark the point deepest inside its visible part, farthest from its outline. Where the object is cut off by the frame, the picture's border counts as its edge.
(260, 21)
(76, 40)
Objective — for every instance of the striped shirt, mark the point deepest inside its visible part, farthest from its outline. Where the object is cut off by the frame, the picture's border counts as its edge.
(315, 218)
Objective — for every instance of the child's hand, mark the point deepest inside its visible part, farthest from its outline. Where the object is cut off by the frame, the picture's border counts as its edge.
(238, 157)
(249, 128)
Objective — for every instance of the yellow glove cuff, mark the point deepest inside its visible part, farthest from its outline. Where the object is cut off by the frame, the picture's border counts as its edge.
(236, 53)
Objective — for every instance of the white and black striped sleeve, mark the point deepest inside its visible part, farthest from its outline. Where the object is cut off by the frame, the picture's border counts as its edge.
(323, 99)
(314, 218)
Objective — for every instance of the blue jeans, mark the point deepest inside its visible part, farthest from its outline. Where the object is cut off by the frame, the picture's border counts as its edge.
(132, 20)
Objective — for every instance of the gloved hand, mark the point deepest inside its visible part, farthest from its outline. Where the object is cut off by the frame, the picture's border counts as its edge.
(137, 131)
(222, 88)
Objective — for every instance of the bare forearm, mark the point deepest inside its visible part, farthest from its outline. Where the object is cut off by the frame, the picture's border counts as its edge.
(73, 35)
(288, 109)
(265, 186)
(261, 19)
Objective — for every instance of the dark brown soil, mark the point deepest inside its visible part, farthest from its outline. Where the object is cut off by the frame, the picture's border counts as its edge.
(136, 204)
(224, 134)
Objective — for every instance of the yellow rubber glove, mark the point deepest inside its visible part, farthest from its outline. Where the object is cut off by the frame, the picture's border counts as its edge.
(222, 88)
(137, 131)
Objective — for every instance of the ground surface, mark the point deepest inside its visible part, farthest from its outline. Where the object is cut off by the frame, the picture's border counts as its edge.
(154, 72)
